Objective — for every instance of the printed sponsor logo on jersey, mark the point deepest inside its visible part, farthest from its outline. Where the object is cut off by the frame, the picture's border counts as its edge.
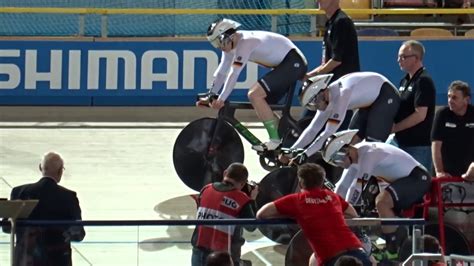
(211, 214)
(355, 197)
(451, 125)
(324, 200)
(206, 213)
(230, 203)
(296, 65)
(390, 101)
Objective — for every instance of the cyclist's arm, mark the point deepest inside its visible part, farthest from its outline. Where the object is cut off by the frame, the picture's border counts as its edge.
(240, 59)
(231, 80)
(311, 131)
(347, 180)
(221, 72)
(331, 127)
(337, 114)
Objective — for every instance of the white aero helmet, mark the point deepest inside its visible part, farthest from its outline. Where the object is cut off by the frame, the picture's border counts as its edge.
(311, 88)
(332, 153)
(216, 31)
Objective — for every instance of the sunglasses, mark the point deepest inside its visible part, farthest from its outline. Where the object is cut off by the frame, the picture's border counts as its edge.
(404, 57)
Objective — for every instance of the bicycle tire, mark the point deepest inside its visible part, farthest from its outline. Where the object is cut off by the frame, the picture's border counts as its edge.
(196, 162)
(299, 251)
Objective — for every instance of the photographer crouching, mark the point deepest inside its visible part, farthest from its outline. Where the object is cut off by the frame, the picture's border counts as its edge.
(232, 198)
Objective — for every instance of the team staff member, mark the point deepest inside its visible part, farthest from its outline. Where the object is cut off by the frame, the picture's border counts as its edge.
(268, 49)
(414, 119)
(340, 50)
(453, 132)
(223, 200)
(408, 180)
(371, 94)
(340, 55)
(319, 211)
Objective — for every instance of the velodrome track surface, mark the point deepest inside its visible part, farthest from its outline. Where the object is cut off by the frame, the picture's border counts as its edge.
(121, 171)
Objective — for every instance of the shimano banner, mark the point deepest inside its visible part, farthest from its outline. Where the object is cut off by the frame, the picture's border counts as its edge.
(166, 72)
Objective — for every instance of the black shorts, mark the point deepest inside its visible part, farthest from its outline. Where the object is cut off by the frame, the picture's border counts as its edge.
(280, 79)
(410, 190)
(375, 121)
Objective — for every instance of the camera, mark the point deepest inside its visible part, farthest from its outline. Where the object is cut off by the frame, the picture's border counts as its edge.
(249, 187)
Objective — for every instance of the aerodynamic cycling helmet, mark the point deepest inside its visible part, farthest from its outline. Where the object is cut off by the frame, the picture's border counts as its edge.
(334, 152)
(220, 31)
(311, 88)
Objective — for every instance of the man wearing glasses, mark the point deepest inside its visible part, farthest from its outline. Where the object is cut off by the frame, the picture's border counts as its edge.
(417, 93)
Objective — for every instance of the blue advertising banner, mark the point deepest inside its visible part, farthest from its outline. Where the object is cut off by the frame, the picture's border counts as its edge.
(173, 72)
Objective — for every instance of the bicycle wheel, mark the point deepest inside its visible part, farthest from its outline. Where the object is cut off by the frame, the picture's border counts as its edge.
(275, 185)
(299, 251)
(203, 150)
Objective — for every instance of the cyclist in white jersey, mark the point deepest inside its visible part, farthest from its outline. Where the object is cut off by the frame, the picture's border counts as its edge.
(408, 181)
(373, 98)
(268, 49)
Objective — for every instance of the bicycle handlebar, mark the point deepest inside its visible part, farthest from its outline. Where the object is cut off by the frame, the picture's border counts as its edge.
(205, 99)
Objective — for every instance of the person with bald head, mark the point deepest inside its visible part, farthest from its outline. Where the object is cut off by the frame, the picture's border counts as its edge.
(48, 245)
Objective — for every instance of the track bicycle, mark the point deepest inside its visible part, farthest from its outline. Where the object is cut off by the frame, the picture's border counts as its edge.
(207, 146)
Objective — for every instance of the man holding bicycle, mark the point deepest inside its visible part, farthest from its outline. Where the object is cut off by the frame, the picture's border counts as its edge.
(268, 49)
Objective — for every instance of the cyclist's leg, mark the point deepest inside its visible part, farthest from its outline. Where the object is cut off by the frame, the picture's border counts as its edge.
(382, 113)
(273, 86)
(257, 97)
(400, 195)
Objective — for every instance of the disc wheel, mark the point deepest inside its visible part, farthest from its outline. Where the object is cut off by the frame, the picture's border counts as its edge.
(277, 184)
(299, 251)
(203, 150)
(456, 242)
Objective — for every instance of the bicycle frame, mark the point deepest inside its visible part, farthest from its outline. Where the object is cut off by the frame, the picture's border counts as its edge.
(227, 113)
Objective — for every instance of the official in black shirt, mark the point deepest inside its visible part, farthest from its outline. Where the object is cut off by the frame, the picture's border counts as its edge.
(453, 132)
(418, 98)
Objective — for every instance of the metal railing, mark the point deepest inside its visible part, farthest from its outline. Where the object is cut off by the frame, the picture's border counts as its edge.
(274, 13)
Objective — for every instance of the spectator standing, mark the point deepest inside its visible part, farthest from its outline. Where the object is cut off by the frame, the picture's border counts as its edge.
(453, 132)
(49, 245)
(340, 50)
(318, 211)
(414, 119)
(223, 200)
